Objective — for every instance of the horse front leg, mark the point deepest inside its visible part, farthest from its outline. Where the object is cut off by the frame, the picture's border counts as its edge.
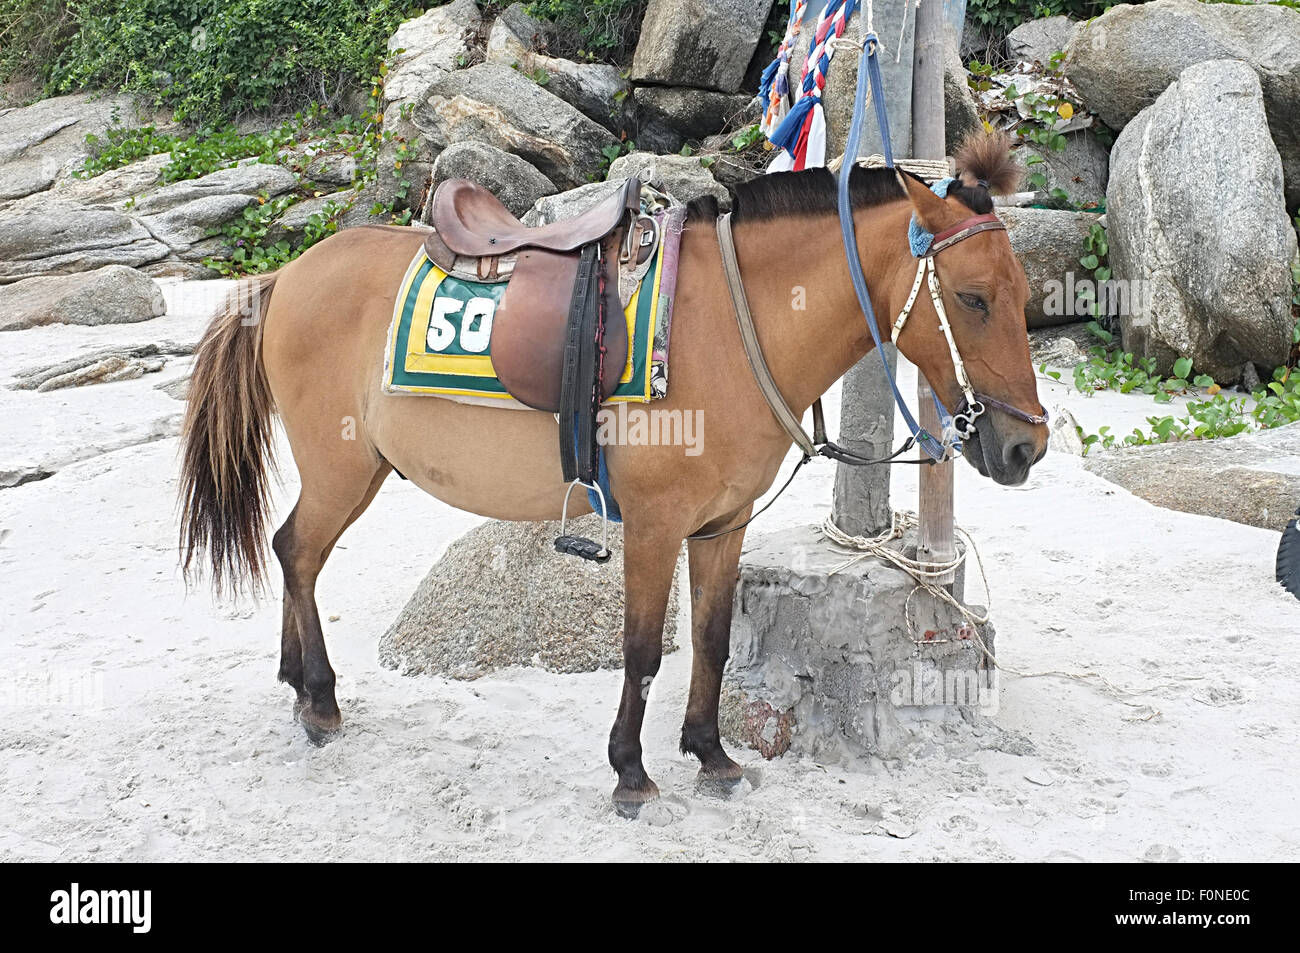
(713, 565)
(649, 559)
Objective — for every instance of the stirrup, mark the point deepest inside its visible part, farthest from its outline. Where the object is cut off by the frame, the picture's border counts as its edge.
(579, 545)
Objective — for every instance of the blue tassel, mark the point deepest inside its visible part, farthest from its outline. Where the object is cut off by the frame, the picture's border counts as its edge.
(787, 134)
(769, 77)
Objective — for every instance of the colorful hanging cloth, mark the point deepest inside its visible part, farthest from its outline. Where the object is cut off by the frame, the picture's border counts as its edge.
(801, 134)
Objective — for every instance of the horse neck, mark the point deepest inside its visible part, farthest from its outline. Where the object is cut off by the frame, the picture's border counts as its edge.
(809, 350)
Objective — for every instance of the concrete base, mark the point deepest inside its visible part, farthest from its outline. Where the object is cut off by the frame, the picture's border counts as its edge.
(824, 664)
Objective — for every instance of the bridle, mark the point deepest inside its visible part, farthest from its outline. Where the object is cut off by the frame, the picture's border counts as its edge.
(974, 403)
(958, 427)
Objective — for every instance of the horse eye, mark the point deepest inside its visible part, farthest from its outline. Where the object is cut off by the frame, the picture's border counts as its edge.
(974, 302)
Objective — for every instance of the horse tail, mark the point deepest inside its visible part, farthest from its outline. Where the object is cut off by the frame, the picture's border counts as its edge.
(227, 445)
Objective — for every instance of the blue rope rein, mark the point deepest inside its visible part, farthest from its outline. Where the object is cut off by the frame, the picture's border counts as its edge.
(869, 78)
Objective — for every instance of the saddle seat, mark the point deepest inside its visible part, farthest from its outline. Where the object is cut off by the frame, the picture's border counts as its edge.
(472, 222)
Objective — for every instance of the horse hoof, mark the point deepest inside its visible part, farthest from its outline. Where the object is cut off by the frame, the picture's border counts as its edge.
(726, 783)
(629, 801)
(319, 733)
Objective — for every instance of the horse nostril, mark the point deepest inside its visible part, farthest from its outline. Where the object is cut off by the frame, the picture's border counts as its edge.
(1021, 455)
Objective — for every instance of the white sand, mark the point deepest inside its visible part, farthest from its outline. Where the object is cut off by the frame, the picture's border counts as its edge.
(191, 752)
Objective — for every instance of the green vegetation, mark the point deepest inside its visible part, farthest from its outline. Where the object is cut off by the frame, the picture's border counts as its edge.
(1002, 16)
(208, 60)
(592, 29)
(1218, 414)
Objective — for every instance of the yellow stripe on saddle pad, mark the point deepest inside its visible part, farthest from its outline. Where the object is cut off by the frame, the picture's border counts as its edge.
(440, 339)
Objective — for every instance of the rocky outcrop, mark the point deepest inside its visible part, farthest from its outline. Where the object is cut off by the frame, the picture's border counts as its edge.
(81, 225)
(1049, 243)
(702, 43)
(1202, 229)
(682, 177)
(114, 294)
(1123, 60)
(40, 141)
(1037, 40)
(49, 238)
(597, 90)
(497, 105)
(516, 183)
(501, 596)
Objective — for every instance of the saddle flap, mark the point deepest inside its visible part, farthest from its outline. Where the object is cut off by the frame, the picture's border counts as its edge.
(528, 331)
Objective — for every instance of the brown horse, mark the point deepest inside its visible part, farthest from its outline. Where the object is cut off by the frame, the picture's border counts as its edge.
(314, 349)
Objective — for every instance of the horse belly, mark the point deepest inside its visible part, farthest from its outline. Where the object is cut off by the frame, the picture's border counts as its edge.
(500, 463)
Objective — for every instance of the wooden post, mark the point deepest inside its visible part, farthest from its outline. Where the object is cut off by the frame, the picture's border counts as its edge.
(860, 505)
(934, 507)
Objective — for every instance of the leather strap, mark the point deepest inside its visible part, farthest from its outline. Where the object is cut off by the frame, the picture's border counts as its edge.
(963, 230)
(749, 337)
(577, 420)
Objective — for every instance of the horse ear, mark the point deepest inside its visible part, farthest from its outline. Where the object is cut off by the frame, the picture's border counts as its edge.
(932, 212)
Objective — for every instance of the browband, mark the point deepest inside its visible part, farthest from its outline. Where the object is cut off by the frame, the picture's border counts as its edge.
(965, 229)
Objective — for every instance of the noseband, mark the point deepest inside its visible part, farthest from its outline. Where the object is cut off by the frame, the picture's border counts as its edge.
(974, 403)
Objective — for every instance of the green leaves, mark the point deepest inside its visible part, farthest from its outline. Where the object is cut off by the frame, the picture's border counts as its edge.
(211, 62)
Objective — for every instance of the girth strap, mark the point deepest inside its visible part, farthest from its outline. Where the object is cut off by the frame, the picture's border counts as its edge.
(579, 387)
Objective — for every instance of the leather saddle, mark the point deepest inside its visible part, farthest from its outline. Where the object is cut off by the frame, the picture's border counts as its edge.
(471, 221)
(474, 233)
(560, 323)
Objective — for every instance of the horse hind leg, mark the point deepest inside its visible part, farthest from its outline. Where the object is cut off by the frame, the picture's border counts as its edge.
(291, 654)
(302, 545)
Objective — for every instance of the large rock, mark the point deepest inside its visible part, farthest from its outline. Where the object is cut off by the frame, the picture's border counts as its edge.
(502, 596)
(1121, 61)
(51, 238)
(181, 214)
(1049, 243)
(682, 177)
(498, 105)
(567, 204)
(43, 140)
(1036, 40)
(114, 294)
(1196, 216)
(961, 110)
(113, 189)
(1252, 478)
(668, 116)
(1081, 169)
(429, 45)
(516, 183)
(704, 43)
(597, 90)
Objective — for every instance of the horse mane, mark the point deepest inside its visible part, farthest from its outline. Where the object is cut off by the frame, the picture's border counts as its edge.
(808, 192)
(984, 166)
